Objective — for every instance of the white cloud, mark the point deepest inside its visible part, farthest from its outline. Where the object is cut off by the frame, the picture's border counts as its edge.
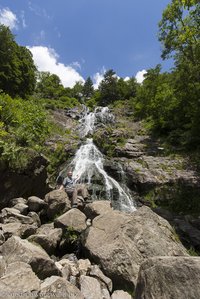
(22, 16)
(75, 65)
(38, 11)
(8, 18)
(98, 77)
(126, 78)
(46, 60)
(140, 76)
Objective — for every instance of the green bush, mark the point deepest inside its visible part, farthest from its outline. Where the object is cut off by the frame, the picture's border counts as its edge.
(60, 103)
(57, 157)
(24, 125)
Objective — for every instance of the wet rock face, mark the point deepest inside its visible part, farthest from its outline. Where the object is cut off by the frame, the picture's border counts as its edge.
(114, 169)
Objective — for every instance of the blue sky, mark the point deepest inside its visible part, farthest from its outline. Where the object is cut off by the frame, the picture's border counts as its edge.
(81, 38)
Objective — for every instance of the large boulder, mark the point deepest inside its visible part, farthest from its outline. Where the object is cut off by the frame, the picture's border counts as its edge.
(2, 266)
(97, 273)
(169, 277)
(47, 237)
(73, 218)
(119, 294)
(16, 201)
(22, 208)
(36, 204)
(120, 242)
(19, 281)
(9, 215)
(91, 287)
(97, 208)
(58, 287)
(17, 229)
(17, 250)
(58, 203)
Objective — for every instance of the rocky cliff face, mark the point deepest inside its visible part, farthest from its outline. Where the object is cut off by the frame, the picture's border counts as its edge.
(26, 182)
(169, 184)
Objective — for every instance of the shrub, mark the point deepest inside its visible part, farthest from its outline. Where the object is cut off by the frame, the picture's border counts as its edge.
(23, 125)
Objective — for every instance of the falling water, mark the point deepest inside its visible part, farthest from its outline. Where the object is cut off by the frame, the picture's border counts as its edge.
(90, 119)
(88, 164)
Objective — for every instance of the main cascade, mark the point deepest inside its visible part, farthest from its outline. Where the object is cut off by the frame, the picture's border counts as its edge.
(88, 163)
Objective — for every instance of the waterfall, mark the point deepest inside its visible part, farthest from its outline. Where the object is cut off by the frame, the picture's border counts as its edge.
(90, 119)
(88, 163)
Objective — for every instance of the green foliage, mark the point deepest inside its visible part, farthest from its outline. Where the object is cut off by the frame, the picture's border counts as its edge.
(191, 251)
(88, 89)
(170, 102)
(24, 125)
(126, 89)
(25, 119)
(17, 69)
(179, 34)
(49, 86)
(101, 139)
(113, 89)
(71, 235)
(149, 198)
(170, 105)
(60, 103)
(77, 91)
(2, 130)
(178, 198)
(91, 103)
(179, 29)
(56, 157)
(175, 236)
(14, 156)
(108, 88)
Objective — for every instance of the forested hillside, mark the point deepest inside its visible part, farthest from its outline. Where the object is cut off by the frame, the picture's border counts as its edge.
(167, 102)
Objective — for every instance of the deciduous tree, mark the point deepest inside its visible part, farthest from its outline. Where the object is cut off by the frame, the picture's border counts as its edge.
(17, 69)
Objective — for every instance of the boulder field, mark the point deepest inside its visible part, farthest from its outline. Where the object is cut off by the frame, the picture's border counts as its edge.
(92, 251)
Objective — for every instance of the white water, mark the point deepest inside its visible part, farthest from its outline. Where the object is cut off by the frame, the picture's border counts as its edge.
(88, 162)
(90, 119)
(87, 123)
